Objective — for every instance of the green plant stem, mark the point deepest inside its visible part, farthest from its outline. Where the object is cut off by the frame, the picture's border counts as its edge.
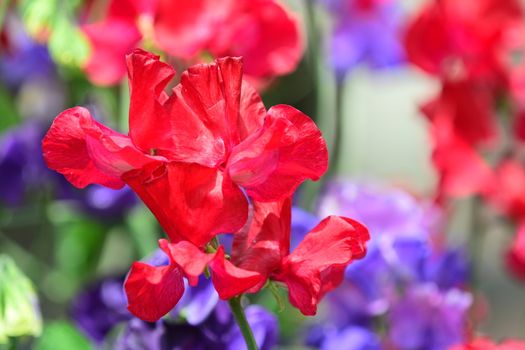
(240, 317)
(337, 131)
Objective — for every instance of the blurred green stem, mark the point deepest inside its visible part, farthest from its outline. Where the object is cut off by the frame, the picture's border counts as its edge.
(337, 128)
(124, 100)
(476, 239)
(240, 317)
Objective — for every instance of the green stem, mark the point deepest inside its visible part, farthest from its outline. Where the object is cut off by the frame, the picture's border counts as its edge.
(240, 317)
(337, 131)
(4, 4)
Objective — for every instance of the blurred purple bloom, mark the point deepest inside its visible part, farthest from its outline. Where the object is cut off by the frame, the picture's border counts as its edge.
(365, 31)
(218, 332)
(302, 223)
(99, 308)
(96, 200)
(426, 318)
(22, 59)
(21, 164)
(403, 264)
(352, 338)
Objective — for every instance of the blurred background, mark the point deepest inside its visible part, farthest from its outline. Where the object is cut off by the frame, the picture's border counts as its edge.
(361, 73)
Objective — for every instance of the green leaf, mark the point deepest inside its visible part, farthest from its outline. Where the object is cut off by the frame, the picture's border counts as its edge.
(38, 16)
(62, 336)
(67, 44)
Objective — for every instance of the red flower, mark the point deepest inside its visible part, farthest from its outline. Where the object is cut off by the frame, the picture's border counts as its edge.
(507, 193)
(487, 344)
(468, 106)
(462, 171)
(260, 252)
(515, 257)
(188, 154)
(460, 38)
(262, 31)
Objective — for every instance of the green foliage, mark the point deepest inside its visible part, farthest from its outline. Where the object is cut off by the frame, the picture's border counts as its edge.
(62, 336)
(52, 20)
(19, 314)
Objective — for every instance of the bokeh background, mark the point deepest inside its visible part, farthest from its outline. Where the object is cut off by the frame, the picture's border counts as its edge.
(67, 240)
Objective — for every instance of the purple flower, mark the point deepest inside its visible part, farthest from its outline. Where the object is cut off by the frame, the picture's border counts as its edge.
(426, 318)
(99, 308)
(403, 270)
(302, 223)
(365, 31)
(21, 164)
(218, 332)
(352, 338)
(23, 59)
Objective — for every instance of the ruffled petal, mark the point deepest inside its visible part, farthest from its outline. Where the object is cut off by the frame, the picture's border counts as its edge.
(191, 202)
(265, 240)
(153, 291)
(317, 265)
(111, 41)
(208, 113)
(191, 259)
(87, 152)
(229, 280)
(273, 162)
(149, 121)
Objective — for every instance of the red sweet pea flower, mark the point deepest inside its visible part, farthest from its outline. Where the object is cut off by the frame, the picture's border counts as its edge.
(262, 31)
(188, 154)
(460, 38)
(515, 257)
(468, 106)
(462, 171)
(487, 344)
(260, 252)
(507, 193)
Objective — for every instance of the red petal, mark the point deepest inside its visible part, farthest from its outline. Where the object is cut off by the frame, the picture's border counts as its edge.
(191, 202)
(515, 258)
(266, 34)
(149, 121)
(468, 106)
(206, 106)
(184, 28)
(229, 280)
(191, 259)
(507, 192)
(462, 171)
(317, 265)
(111, 41)
(153, 291)
(265, 240)
(87, 152)
(273, 162)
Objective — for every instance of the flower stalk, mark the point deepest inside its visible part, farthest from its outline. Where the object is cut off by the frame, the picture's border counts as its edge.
(240, 318)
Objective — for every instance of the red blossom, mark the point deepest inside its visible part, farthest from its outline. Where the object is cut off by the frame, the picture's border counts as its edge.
(487, 344)
(188, 153)
(261, 252)
(507, 193)
(515, 257)
(264, 32)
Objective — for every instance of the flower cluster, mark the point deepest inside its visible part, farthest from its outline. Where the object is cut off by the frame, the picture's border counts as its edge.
(209, 159)
(476, 123)
(264, 32)
(409, 291)
(365, 31)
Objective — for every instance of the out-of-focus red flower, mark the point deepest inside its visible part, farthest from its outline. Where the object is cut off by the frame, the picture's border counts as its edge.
(261, 251)
(188, 154)
(507, 193)
(515, 257)
(461, 169)
(468, 105)
(487, 344)
(264, 32)
(458, 39)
